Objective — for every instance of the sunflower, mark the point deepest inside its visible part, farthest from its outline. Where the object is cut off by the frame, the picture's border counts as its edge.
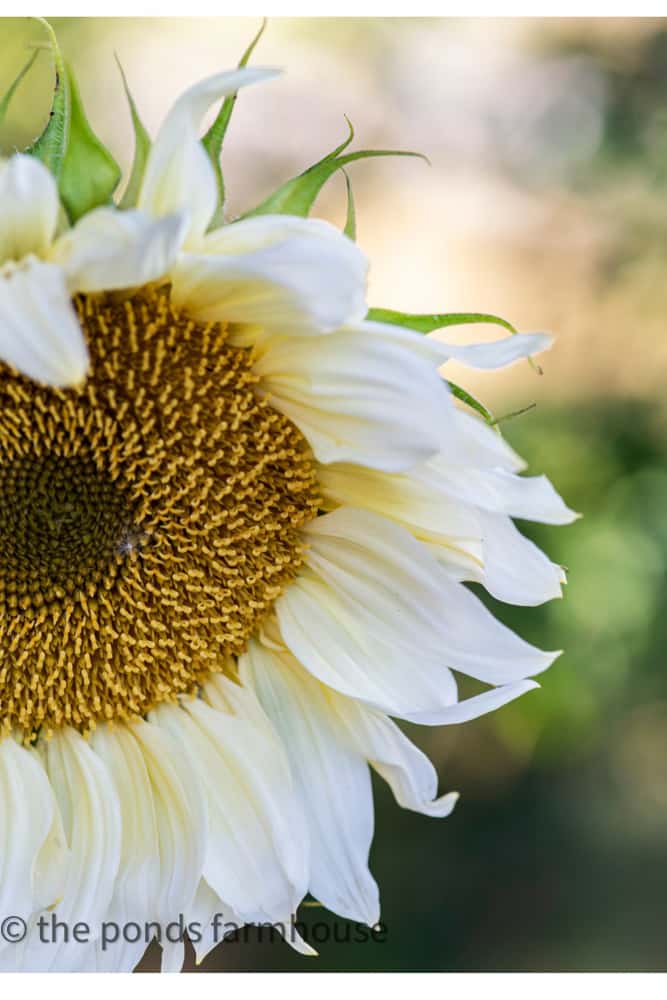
(237, 514)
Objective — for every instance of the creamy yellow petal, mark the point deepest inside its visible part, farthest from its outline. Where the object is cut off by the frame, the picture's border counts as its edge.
(39, 331)
(179, 178)
(29, 208)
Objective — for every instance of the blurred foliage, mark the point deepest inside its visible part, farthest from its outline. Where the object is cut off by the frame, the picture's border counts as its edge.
(634, 135)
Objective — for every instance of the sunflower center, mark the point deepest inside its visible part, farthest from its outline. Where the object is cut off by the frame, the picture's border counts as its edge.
(148, 520)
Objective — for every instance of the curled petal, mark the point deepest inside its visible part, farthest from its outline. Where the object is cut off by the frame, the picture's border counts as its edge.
(496, 353)
(515, 569)
(408, 772)
(530, 497)
(474, 707)
(179, 178)
(287, 276)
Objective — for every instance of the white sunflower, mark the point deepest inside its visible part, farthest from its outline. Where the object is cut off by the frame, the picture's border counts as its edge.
(236, 518)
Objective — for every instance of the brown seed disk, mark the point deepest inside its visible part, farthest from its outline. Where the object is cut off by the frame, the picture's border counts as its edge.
(148, 520)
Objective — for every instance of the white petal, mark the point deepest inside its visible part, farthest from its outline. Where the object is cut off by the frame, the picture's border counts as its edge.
(163, 819)
(137, 885)
(484, 446)
(28, 208)
(333, 780)
(473, 708)
(39, 331)
(26, 816)
(52, 862)
(180, 811)
(438, 503)
(340, 644)
(275, 785)
(408, 771)
(497, 353)
(202, 914)
(494, 354)
(416, 500)
(374, 562)
(108, 249)
(286, 275)
(179, 177)
(515, 569)
(163, 843)
(88, 804)
(254, 860)
(376, 618)
(360, 396)
(530, 497)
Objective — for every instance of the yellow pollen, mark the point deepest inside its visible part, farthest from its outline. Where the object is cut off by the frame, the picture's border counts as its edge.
(148, 519)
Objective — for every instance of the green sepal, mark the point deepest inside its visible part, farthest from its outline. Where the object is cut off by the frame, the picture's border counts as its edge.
(5, 102)
(473, 403)
(428, 322)
(89, 173)
(142, 147)
(50, 146)
(84, 169)
(212, 141)
(296, 196)
(273, 200)
(350, 229)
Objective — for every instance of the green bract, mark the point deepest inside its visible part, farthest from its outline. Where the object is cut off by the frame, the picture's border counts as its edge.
(4, 103)
(213, 139)
(297, 196)
(142, 146)
(85, 170)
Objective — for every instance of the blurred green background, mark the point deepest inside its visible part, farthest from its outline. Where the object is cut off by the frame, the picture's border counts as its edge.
(546, 202)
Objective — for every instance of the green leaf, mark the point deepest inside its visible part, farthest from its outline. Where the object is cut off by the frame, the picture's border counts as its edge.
(142, 146)
(212, 141)
(89, 174)
(296, 197)
(426, 323)
(85, 170)
(5, 102)
(51, 145)
(473, 403)
(351, 218)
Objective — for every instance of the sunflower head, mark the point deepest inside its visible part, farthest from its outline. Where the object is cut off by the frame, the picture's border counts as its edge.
(238, 512)
(148, 519)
